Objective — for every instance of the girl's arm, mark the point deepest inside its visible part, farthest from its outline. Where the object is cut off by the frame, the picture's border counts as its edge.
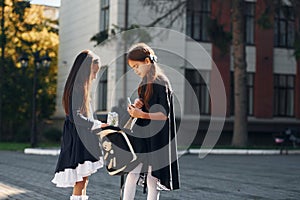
(78, 117)
(89, 123)
(138, 113)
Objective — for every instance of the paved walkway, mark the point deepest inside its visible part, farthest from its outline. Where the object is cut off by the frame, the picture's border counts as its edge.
(226, 177)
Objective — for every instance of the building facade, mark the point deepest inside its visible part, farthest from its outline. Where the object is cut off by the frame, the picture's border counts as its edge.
(273, 73)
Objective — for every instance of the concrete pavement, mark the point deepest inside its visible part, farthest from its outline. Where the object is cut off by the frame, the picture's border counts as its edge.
(226, 177)
(55, 151)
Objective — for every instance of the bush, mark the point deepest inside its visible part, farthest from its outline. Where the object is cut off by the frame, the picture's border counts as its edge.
(22, 135)
(52, 135)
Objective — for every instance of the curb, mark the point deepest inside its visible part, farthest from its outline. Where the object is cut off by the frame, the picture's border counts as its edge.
(55, 152)
(242, 152)
(38, 151)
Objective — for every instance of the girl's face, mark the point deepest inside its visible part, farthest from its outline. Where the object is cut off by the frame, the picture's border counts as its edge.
(94, 70)
(139, 67)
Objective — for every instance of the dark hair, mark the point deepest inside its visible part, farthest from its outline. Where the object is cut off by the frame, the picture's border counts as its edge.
(79, 78)
(139, 52)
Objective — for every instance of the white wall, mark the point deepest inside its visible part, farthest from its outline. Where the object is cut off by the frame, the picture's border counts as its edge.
(78, 23)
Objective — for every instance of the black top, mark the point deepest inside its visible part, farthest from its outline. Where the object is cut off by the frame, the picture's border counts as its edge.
(79, 143)
(157, 138)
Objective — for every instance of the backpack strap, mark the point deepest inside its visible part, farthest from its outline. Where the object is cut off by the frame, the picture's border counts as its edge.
(145, 184)
(121, 186)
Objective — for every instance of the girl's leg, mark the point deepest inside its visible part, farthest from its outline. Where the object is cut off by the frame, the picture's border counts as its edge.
(85, 186)
(130, 183)
(80, 187)
(153, 193)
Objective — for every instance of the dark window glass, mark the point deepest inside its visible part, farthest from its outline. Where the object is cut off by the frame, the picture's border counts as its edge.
(250, 93)
(284, 93)
(102, 90)
(249, 22)
(104, 15)
(197, 19)
(200, 89)
(284, 27)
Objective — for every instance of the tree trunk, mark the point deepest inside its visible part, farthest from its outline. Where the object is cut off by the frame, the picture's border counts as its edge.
(296, 6)
(240, 131)
(2, 63)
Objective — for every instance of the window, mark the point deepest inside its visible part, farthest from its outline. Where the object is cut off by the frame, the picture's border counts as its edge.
(104, 16)
(284, 27)
(284, 93)
(102, 89)
(200, 88)
(198, 16)
(249, 22)
(250, 93)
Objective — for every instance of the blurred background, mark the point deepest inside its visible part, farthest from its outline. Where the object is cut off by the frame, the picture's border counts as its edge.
(255, 45)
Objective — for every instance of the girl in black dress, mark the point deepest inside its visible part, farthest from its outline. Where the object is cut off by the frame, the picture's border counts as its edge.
(80, 152)
(154, 131)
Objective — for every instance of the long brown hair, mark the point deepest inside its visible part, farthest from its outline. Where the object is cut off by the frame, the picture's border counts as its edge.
(139, 52)
(79, 79)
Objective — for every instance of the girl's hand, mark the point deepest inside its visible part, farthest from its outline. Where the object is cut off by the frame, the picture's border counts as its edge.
(104, 125)
(99, 124)
(138, 103)
(135, 112)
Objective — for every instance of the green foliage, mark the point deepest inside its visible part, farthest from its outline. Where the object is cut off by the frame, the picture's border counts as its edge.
(297, 46)
(264, 20)
(26, 31)
(22, 135)
(137, 34)
(52, 135)
(100, 37)
(219, 36)
(9, 146)
(19, 8)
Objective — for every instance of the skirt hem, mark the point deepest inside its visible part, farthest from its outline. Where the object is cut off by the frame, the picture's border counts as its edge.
(68, 177)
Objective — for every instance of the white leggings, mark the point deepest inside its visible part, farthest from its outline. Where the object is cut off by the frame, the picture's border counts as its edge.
(131, 180)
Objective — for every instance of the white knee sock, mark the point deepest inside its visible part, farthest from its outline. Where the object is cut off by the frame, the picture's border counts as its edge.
(130, 183)
(83, 197)
(73, 197)
(131, 180)
(153, 193)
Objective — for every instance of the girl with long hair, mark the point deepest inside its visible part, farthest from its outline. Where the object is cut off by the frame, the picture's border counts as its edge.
(154, 132)
(80, 154)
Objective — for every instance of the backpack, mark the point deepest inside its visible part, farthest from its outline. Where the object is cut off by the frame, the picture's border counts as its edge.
(118, 153)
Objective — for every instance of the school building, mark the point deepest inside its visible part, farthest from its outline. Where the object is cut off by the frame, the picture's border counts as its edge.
(273, 73)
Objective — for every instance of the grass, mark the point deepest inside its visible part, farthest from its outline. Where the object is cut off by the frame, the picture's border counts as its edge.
(17, 146)
(247, 147)
(13, 146)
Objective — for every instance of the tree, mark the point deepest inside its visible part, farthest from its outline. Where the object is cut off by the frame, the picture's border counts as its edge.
(2, 41)
(171, 10)
(26, 32)
(240, 130)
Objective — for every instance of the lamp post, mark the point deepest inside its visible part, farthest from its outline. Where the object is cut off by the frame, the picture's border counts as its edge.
(39, 62)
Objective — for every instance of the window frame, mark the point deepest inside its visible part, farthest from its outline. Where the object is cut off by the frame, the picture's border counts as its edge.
(248, 17)
(249, 87)
(281, 20)
(284, 89)
(204, 102)
(104, 15)
(102, 88)
(202, 13)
